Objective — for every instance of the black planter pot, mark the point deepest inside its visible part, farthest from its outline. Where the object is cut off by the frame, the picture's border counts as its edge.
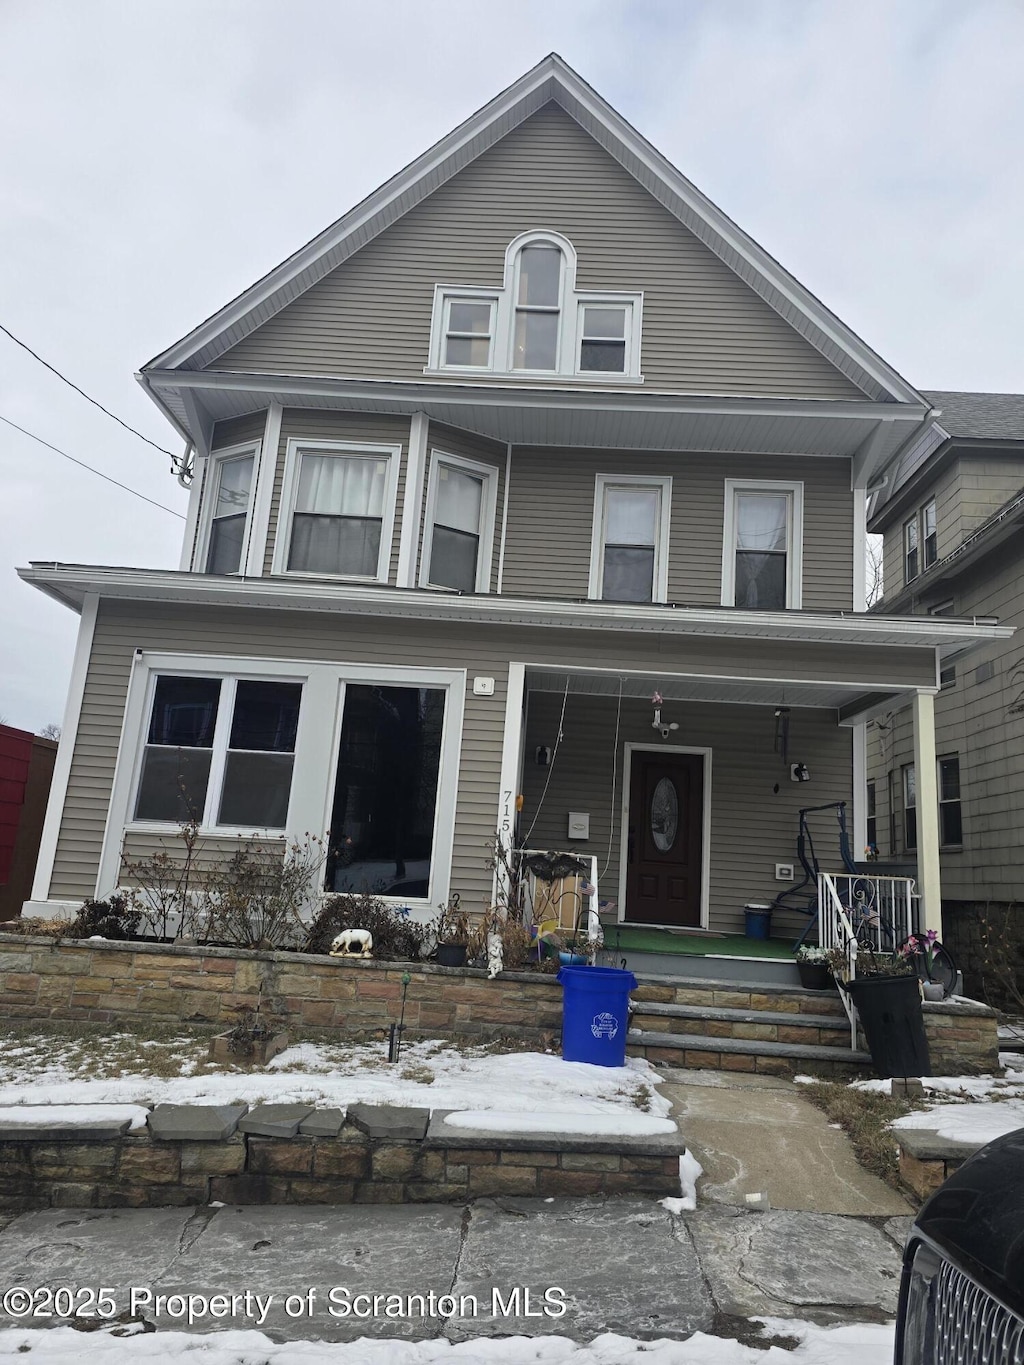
(451, 954)
(814, 976)
(890, 1011)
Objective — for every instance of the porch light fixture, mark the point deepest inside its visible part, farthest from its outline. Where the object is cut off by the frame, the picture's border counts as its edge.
(666, 728)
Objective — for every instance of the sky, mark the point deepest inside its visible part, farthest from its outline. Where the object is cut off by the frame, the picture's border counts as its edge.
(156, 159)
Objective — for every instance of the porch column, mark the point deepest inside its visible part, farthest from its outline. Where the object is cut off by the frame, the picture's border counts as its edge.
(511, 763)
(927, 797)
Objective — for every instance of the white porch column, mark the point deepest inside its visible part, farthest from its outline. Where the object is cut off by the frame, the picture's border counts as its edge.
(860, 789)
(927, 796)
(511, 754)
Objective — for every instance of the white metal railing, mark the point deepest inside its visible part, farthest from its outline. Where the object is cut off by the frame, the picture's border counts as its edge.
(860, 912)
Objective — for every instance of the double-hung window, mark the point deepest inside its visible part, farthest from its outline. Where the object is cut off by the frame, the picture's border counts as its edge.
(909, 807)
(338, 509)
(229, 479)
(219, 751)
(911, 553)
(763, 545)
(951, 830)
(629, 553)
(468, 332)
(458, 536)
(538, 308)
(928, 534)
(604, 337)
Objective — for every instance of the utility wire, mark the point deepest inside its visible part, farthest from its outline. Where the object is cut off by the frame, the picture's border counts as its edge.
(66, 380)
(32, 436)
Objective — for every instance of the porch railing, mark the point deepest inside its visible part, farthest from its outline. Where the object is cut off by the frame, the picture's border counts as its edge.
(861, 912)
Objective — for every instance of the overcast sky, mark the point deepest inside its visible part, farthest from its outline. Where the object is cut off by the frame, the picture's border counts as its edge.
(156, 159)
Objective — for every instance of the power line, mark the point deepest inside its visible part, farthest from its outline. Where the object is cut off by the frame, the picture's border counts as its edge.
(66, 380)
(81, 463)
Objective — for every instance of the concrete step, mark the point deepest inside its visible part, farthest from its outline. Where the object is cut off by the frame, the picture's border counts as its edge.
(767, 1026)
(736, 995)
(740, 1054)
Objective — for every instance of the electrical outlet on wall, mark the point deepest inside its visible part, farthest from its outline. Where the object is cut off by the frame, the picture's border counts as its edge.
(783, 872)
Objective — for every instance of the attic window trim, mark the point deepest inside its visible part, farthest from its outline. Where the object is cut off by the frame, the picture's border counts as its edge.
(570, 308)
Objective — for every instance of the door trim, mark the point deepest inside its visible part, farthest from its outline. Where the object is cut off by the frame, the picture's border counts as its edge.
(705, 850)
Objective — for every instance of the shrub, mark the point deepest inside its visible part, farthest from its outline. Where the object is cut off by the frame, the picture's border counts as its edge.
(256, 898)
(396, 937)
(114, 918)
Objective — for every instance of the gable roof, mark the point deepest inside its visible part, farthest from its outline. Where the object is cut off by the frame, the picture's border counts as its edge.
(551, 79)
(979, 416)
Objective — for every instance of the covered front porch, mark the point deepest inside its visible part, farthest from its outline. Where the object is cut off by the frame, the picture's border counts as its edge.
(686, 809)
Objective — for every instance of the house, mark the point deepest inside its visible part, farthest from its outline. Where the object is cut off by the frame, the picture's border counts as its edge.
(529, 435)
(26, 766)
(951, 515)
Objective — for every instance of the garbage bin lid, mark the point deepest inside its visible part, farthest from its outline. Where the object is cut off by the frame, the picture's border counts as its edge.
(757, 905)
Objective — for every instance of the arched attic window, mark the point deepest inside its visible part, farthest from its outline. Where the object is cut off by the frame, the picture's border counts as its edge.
(538, 291)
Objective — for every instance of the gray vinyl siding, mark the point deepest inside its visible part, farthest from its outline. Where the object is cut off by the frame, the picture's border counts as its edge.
(753, 827)
(981, 720)
(237, 431)
(551, 519)
(704, 331)
(453, 441)
(310, 425)
(122, 628)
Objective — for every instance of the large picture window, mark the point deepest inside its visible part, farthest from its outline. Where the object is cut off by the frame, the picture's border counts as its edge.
(629, 554)
(338, 510)
(762, 553)
(385, 794)
(219, 751)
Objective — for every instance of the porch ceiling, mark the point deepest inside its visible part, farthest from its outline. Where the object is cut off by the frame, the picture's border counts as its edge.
(830, 696)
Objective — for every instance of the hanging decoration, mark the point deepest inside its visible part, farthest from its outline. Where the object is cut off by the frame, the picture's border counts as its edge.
(666, 727)
(782, 732)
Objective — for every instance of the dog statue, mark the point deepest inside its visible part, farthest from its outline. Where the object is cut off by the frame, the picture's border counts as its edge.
(352, 943)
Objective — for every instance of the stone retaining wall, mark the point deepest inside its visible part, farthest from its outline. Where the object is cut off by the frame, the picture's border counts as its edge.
(102, 981)
(345, 1164)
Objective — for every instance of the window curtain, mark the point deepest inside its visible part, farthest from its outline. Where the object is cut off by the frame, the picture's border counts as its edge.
(341, 485)
(338, 509)
(761, 544)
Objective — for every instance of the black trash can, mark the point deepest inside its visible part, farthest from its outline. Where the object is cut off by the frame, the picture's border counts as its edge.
(890, 1011)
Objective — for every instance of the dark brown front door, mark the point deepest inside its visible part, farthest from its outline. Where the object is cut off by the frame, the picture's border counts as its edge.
(664, 839)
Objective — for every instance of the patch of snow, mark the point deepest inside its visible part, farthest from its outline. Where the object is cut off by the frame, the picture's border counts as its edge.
(44, 1114)
(690, 1171)
(968, 1122)
(337, 1075)
(849, 1344)
(621, 1124)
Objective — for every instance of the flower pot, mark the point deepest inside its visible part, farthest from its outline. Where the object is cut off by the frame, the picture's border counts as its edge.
(451, 954)
(814, 976)
(933, 990)
(257, 1051)
(890, 1012)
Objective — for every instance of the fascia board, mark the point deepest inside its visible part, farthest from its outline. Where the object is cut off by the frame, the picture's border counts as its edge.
(551, 78)
(68, 583)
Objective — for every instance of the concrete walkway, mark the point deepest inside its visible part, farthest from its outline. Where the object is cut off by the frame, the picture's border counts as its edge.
(754, 1134)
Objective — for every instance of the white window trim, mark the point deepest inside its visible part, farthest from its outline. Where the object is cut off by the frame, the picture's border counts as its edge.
(602, 483)
(794, 489)
(444, 296)
(313, 774)
(488, 509)
(633, 305)
(208, 500)
(297, 446)
(570, 320)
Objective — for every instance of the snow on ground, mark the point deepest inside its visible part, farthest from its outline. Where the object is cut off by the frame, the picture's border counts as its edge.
(75, 1113)
(853, 1344)
(430, 1074)
(558, 1121)
(968, 1122)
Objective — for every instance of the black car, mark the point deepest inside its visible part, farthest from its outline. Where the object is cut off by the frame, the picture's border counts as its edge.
(962, 1292)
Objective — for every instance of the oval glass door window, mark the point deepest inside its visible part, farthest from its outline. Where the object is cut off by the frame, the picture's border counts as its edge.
(664, 815)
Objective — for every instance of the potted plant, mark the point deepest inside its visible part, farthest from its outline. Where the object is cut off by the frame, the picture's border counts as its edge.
(887, 994)
(451, 932)
(812, 964)
(252, 1041)
(923, 950)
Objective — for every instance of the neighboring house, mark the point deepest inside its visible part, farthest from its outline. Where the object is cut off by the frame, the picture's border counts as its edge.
(26, 766)
(952, 514)
(529, 434)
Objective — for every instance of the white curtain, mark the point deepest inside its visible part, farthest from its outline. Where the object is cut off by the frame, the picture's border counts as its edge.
(458, 500)
(631, 516)
(761, 521)
(341, 486)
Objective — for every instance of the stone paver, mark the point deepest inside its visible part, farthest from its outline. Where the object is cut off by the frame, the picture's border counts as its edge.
(796, 1264)
(323, 1123)
(626, 1267)
(753, 1138)
(397, 1122)
(275, 1120)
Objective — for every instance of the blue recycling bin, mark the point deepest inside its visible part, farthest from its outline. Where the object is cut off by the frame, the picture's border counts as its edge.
(595, 1014)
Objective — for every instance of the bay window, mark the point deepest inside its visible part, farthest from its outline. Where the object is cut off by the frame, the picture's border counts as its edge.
(228, 500)
(459, 524)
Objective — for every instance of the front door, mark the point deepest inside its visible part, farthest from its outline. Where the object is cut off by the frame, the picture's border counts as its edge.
(664, 838)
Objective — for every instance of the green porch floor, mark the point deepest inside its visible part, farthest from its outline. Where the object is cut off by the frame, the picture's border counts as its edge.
(635, 938)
